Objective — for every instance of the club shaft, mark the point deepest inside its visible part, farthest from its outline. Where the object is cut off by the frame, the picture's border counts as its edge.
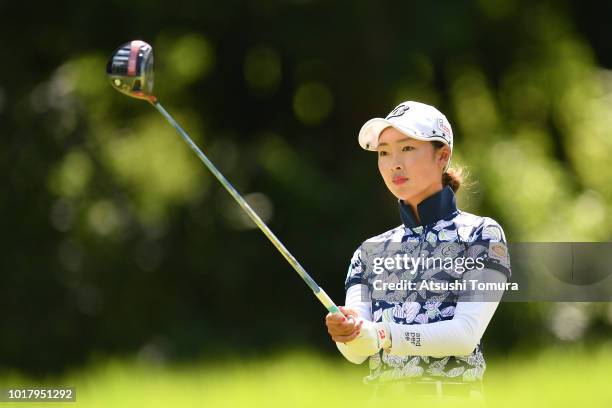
(317, 290)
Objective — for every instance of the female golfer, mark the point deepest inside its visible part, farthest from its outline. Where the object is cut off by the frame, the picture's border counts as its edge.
(415, 303)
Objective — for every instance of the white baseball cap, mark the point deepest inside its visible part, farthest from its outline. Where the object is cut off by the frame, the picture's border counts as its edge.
(414, 119)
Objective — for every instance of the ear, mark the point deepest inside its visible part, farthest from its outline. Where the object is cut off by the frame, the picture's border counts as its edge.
(443, 156)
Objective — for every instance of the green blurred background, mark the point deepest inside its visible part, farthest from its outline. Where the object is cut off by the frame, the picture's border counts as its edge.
(118, 244)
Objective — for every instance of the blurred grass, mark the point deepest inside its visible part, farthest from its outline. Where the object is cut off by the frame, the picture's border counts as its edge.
(562, 377)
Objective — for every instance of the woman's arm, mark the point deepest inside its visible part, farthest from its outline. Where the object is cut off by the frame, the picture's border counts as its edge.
(456, 337)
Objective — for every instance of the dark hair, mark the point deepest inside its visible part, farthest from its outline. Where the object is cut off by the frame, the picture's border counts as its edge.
(453, 176)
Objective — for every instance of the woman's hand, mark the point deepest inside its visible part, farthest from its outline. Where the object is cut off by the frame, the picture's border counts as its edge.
(345, 328)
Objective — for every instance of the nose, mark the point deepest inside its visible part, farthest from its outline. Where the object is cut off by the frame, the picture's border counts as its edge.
(396, 165)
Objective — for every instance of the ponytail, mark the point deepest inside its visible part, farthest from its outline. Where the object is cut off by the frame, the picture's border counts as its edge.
(453, 177)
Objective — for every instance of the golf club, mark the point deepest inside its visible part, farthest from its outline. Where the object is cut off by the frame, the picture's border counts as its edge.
(130, 71)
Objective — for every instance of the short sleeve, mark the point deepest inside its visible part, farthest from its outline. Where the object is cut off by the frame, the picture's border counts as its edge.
(490, 245)
(356, 271)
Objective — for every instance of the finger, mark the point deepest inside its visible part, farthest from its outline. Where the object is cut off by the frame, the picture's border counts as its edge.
(347, 311)
(350, 323)
(343, 327)
(346, 338)
(335, 318)
(342, 330)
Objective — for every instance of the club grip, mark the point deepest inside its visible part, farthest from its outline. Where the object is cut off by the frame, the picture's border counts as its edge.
(327, 302)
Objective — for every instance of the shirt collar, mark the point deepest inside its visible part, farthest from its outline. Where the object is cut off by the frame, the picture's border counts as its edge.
(434, 208)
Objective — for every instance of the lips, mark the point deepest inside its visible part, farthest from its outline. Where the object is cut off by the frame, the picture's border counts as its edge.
(397, 180)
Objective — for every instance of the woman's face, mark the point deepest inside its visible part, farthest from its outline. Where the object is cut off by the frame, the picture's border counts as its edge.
(411, 168)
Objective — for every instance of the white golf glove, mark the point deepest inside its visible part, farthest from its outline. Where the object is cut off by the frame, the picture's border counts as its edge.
(372, 338)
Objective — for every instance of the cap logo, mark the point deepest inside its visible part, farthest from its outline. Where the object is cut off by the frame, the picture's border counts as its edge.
(443, 127)
(399, 111)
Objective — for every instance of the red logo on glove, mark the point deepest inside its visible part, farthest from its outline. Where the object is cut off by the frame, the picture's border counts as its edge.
(381, 333)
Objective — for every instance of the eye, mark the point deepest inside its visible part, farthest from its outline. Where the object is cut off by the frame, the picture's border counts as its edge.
(382, 153)
(407, 148)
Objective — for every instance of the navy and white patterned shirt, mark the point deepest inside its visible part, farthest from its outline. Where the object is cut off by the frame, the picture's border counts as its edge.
(443, 226)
